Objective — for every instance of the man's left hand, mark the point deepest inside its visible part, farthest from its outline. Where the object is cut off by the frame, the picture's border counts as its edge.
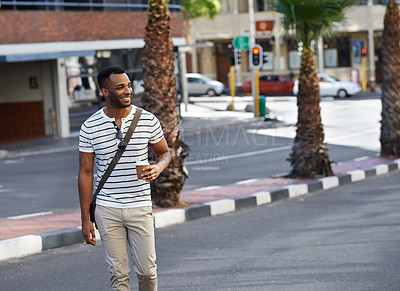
(150, 173)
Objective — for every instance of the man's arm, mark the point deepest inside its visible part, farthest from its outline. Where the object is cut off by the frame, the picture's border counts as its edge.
(85, 185)
(164, 158)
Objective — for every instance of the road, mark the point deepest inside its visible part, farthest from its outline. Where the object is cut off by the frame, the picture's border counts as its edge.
(44, 183)
(351, 128)
(341, 239)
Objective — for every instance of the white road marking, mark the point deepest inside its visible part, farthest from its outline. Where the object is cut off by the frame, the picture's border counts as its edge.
(205, 168)
(30, 215)
(237, 156)
(244, 182)
(208, 188)
(361, 159)
(12, 161)
(350, 135)
(354, 139)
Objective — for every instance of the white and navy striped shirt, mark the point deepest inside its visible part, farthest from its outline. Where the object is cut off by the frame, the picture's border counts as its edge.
(98, 135)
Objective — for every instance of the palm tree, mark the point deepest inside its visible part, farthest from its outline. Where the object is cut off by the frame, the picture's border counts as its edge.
(160, 91)
(160, 98)
(309, 19)
(390, 128)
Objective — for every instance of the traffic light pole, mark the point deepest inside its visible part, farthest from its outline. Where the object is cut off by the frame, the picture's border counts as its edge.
(257, 91)
(252, 41)
(256, 61)
(232, 77)
(364, 73)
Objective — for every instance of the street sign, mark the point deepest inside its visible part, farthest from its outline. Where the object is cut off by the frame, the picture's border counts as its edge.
(241, 42)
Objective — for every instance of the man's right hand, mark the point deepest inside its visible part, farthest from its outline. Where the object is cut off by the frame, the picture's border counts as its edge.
(88, 232)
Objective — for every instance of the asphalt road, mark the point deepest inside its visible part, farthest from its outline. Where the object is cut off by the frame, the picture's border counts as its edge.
(341, 239)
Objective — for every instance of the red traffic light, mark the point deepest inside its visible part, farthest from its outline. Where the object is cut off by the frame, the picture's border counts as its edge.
(255, 56)
(363, 51)
(256, 51)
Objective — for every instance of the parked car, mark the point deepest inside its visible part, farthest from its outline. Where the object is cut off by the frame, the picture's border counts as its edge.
(330, 86)
(199, 84)
(271, 84)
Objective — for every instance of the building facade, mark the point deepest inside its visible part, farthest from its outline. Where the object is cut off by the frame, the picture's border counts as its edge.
(339, 55)
(50, 52)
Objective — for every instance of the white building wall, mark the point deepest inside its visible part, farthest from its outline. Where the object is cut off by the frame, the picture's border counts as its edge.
(361, 23)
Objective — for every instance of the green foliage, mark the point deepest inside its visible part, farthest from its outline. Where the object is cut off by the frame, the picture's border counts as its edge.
(311, 19)
(200, 8)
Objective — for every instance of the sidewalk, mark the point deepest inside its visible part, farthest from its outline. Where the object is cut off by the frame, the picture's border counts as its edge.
(32, 234)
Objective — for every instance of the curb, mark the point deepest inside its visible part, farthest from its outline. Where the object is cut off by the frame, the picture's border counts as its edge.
(33, 244)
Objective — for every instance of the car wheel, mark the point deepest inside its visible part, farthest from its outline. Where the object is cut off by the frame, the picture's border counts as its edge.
(211, 92)
(341, 93)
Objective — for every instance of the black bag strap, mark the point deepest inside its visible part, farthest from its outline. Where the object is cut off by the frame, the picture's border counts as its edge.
(119, 153)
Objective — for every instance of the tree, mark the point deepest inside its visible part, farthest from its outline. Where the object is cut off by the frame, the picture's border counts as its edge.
(160, 98)
(390, 123)
(159, 95)
(309, 19)
(198, 8)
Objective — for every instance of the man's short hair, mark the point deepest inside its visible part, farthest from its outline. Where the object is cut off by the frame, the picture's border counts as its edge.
(105, 73)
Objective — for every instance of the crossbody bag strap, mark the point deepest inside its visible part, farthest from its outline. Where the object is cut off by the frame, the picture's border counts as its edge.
(119, 153)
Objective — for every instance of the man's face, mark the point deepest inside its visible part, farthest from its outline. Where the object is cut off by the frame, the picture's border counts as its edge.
(118, 91)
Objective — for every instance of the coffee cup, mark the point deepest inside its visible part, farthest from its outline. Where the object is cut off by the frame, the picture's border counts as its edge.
(140, 165)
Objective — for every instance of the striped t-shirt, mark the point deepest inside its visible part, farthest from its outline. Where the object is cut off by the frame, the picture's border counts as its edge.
(98, 135)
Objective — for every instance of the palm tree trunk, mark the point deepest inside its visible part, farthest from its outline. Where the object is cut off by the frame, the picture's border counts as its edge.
(309, 155)
(390, 123)
(160, 98)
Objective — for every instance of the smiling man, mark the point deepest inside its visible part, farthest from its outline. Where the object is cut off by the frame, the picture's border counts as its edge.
(124, 208)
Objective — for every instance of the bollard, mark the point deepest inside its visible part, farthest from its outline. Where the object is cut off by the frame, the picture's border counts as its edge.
(263, 108)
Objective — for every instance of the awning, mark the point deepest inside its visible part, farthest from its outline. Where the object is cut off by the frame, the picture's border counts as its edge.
(53, 50)
(44, 56)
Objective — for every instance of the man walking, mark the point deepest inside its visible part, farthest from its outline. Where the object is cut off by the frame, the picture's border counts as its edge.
(124, 209)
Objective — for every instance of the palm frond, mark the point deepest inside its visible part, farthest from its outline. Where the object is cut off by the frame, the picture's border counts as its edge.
(310, 19)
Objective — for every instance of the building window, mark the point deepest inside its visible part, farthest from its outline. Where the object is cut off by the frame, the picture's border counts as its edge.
(294, 54)
(227, 6)
(260, 5)
(337, 52)
(82, 72)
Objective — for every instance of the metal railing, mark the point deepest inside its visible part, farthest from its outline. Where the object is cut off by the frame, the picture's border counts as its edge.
(91, 5)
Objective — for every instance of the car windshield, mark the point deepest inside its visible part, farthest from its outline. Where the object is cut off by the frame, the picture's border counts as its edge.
(198, 78)
(208, 79)
(334, 78)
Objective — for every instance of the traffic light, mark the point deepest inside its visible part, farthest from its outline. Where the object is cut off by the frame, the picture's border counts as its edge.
(363, 52)
(265, 58)
(231, 52)
(238, 57)
(256, 53)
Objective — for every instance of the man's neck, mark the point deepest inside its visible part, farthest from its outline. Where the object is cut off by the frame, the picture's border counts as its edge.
(117, 113)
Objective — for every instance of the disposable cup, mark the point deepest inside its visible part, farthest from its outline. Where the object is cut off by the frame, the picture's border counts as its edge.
(140, 165)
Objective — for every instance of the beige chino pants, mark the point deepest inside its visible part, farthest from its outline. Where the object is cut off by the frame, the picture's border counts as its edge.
(121, 228)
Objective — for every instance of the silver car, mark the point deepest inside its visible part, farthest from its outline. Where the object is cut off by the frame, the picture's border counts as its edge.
(199, 84)
(330, 86)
